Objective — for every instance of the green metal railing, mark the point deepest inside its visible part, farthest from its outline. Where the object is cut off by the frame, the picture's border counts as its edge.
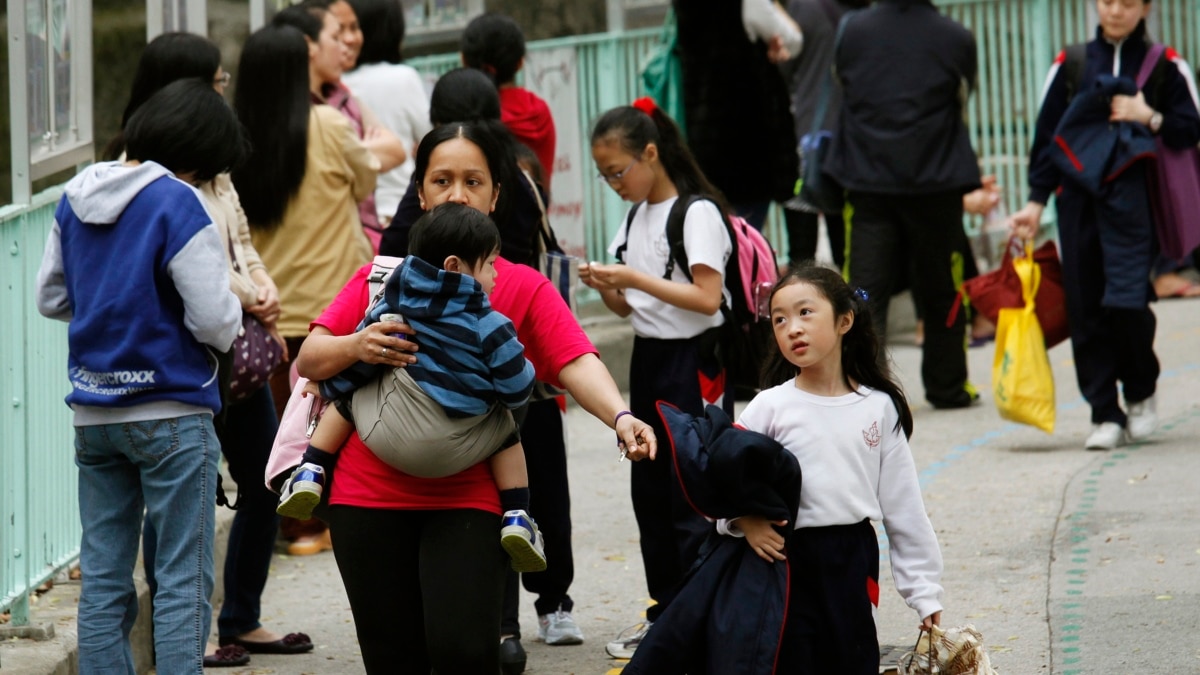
(39, 528)
(39, 512)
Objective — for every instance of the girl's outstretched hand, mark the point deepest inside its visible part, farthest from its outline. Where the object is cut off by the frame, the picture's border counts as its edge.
(930, 621)
(763, 538)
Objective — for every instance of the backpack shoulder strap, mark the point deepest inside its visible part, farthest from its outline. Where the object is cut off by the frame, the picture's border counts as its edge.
(628, 221)
(675, 222)
(1150, 76)
(1073, 68)
(381, 268)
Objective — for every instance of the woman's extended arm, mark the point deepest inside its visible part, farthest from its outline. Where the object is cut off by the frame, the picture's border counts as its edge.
(592, 386)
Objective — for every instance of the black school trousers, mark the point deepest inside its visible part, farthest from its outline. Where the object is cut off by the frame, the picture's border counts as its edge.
(686, 374)
(1108, 249)
(895, 236)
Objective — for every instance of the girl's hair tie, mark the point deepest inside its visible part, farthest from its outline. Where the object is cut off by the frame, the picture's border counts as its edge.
(861, 294)
(646, 105)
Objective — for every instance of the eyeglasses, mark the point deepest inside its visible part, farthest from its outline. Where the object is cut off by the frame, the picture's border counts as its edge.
(615, 178)
(223, 79)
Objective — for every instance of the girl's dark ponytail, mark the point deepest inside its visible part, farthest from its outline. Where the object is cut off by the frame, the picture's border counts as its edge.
(862, 358)
(636, 126)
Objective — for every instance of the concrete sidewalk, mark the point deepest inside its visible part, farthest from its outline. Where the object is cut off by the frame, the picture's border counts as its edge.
(1068, 561)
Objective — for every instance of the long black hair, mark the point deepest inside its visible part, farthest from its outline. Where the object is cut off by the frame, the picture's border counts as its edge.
(634, 129)
(168, 57)
(382, 23)
(861, 358)
(272, 101)
(186, 126)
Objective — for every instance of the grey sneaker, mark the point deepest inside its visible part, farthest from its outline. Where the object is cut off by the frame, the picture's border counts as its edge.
(559, 628)
(627, 642)
(1143, 419)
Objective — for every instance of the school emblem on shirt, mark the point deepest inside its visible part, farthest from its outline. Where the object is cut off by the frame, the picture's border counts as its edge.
(872, 435)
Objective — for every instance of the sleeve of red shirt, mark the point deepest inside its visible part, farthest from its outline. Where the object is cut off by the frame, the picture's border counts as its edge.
(545, 325)
(347, 309)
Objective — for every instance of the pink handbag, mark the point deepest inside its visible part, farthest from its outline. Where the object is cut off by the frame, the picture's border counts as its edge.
(299, 420)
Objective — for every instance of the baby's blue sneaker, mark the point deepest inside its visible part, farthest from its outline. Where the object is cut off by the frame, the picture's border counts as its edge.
(520, 536)
(301, 492)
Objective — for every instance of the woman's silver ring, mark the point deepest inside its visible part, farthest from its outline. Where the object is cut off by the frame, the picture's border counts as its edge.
(383, 351)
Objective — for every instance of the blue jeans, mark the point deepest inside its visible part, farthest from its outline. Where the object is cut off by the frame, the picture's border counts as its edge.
(246, 440)
(167, 467)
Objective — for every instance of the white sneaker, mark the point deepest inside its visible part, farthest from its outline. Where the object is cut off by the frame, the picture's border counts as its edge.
(1143, 419)
(1105, 436)
(627, 642)
(559, 628)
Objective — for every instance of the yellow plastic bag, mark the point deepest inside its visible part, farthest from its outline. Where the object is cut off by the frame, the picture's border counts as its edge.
(1022, 381)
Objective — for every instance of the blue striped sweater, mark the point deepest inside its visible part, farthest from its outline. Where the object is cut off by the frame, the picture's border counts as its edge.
(470, 357)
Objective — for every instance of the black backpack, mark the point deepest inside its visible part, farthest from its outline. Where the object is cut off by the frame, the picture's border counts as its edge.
(746, 337)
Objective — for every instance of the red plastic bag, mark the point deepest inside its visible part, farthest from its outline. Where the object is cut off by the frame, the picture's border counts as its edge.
(1001, 288)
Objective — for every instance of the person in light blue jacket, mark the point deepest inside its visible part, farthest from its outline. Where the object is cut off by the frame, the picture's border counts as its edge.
(137, 268)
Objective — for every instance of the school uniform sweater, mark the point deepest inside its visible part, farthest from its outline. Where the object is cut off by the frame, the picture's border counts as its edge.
(857, 466)
(470, 357)
(137, 268)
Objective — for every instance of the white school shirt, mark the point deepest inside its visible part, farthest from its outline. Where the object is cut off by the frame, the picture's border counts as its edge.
(706, 242)
(855, 465)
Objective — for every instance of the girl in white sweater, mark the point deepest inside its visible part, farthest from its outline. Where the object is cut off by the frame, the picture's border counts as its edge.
(848, 424)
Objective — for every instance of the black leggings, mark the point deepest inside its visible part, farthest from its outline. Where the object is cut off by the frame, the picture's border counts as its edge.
(425, 587)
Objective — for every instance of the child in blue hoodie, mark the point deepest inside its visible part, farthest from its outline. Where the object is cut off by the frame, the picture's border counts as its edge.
(137, 268)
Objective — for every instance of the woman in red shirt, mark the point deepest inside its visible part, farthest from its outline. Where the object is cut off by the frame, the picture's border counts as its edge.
(419, 558)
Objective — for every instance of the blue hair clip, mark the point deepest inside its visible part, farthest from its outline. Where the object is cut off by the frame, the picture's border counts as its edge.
(861, 294)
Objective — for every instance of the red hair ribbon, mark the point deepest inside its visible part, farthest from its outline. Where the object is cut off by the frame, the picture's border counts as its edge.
(646, 105)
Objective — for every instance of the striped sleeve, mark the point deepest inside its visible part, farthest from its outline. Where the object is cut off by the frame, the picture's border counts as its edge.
(511, 373)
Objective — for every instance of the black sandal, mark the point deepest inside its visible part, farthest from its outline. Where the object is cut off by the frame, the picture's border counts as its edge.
(228, 656)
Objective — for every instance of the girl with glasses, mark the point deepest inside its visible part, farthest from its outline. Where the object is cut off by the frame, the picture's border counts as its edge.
(676, 321)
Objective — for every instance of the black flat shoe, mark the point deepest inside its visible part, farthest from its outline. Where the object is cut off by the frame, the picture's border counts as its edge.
(512, 657)
(292, 643)
(228, 656)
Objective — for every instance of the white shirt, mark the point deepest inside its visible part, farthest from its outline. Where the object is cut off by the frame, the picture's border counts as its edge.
(397, 96)
(763, 20)
(706, 242)
(855, 465)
